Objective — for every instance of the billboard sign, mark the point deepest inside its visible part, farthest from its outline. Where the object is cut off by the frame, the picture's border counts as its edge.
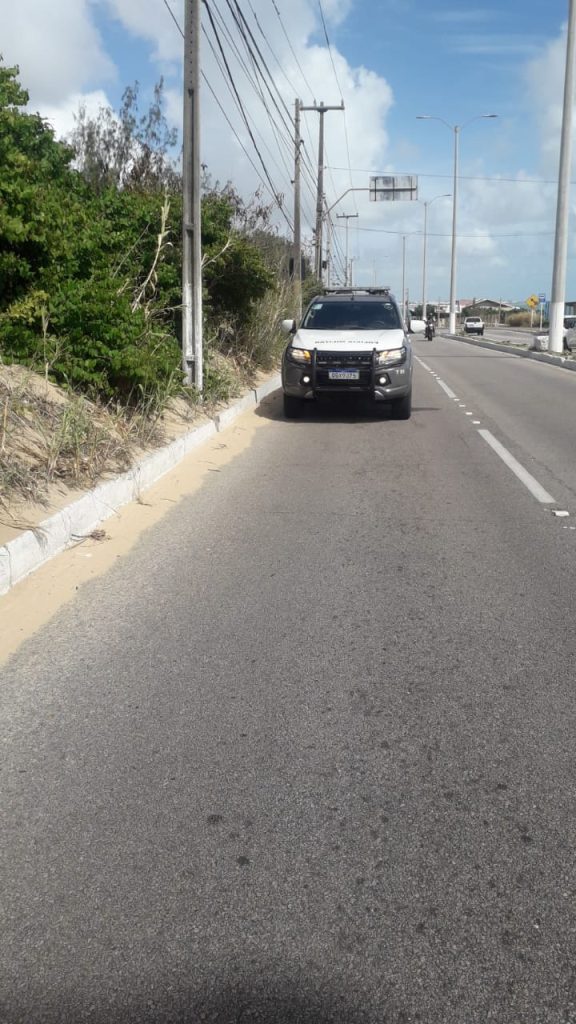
(393, 187)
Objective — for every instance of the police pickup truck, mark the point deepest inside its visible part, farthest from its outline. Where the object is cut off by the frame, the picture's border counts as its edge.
(351, 341)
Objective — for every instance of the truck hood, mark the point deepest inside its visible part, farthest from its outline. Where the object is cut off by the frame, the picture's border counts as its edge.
(349, 341)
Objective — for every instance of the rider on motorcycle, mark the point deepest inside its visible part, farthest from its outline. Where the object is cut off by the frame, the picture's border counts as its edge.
(429, 332)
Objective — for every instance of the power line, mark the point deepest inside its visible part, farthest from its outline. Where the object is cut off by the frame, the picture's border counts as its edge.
(440, 234)
(301, 70)
(174, 18)
(328, 44)
(243, 112)
(280, 133)
(292, 50)
(462, 177)
(305, 157)
(270, 185)
(260, 63)
(283, 169)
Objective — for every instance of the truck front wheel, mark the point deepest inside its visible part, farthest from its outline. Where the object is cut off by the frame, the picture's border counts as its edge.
(402, 407)
(293, 407)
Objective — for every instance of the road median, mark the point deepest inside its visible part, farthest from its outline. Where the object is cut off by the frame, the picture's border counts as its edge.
(563, 362)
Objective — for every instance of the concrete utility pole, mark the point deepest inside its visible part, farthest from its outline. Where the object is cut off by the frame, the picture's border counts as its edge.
(347, 217)
(329, 230)
(297, 254)
(322, 109)
(557, 299)
(191, 205)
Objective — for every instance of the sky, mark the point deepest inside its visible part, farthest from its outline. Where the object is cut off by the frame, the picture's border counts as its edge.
(389, 61)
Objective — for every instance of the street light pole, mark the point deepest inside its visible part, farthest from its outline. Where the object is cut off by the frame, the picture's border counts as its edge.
(456, 129)
(427, 203)
(557, 298)
(452, 319)
(404, 277)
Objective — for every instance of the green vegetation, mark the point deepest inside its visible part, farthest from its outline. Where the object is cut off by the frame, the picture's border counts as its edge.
(90, 257)
(90, 288)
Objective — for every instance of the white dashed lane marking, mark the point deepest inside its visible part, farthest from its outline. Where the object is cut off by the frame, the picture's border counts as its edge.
(527, 479)
(445, 388)
(522, 474)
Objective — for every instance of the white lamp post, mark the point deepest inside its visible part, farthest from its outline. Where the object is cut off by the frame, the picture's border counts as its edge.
(456, 128)
(558, 296)
(427, 203)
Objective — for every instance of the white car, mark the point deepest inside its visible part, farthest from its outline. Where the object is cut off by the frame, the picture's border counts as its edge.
(473, 325)
(568, 341)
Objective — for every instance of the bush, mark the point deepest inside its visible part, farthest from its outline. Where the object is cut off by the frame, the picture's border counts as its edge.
(90, 263)
(519, 319)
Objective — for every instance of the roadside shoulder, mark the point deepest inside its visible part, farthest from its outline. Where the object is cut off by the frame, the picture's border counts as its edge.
(71, 524)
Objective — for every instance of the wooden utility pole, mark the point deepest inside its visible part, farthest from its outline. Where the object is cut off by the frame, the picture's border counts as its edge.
(321, 109)
(191, 205)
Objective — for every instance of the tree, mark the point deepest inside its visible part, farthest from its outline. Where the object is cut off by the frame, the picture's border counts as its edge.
(90, 253)
(36, 185)
(127, 150)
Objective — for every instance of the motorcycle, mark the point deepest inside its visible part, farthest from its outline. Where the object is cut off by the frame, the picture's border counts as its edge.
(429, 331)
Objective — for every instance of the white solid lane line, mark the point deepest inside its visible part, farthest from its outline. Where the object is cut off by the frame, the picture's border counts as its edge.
(536, 489)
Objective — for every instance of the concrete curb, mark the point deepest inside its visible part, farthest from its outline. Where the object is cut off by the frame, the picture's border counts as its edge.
(524, 353)
(26, 553)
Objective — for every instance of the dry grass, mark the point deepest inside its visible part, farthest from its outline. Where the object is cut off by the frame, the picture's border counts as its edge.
(48, 436)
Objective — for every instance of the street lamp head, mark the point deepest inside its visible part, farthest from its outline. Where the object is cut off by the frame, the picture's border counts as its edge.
(445, 195)
(454, 127)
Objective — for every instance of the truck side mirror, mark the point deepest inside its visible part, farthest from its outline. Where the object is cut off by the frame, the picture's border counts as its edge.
(288, 327)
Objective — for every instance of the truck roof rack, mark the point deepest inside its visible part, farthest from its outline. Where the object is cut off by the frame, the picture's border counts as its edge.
(376, 290)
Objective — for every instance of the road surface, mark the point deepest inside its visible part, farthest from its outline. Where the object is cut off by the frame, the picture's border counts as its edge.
(306, 752)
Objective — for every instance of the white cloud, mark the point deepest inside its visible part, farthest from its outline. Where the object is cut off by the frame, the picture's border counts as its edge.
(61, 116)
(57, 47)
(545, 81)
(495, 45)
(63, 61)
(153, 25)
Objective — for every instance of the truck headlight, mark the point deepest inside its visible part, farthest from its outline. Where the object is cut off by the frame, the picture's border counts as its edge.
(392, 356)
(299, 355)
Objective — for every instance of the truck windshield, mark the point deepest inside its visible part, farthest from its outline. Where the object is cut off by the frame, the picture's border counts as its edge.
(350, 316)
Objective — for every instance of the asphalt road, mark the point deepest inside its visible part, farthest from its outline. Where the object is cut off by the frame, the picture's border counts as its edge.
(307, 753)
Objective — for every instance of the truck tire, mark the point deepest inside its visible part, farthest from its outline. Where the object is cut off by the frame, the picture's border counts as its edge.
(402, 407)
(293, 407)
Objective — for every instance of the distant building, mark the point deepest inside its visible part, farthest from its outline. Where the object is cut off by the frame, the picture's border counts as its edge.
(495, 306)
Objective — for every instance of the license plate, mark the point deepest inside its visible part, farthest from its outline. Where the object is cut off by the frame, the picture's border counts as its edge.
(343, 374)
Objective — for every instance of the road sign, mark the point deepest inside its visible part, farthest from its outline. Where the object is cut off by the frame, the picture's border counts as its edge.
(532, 302)
(393, 187)
(541, 297)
